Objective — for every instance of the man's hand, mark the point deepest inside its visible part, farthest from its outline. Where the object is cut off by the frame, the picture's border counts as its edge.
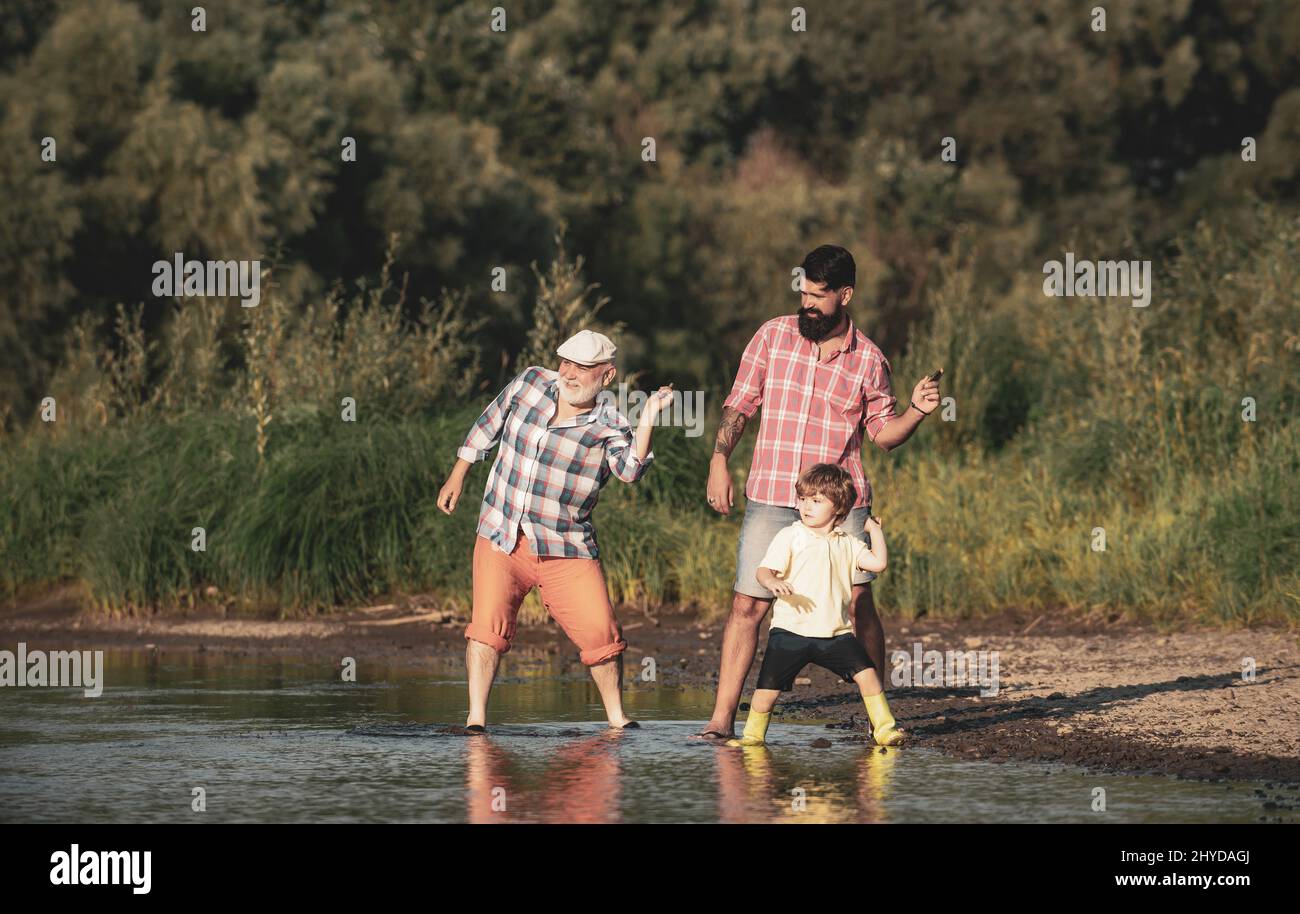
(719, 488)
(450, 492)
(926, 395)
(658, 400)
(645, 427)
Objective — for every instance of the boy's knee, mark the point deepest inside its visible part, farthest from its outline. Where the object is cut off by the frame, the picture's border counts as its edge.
(764, 700)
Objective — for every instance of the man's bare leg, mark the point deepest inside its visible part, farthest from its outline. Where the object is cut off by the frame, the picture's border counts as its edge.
(608, 677)
(481, 664)
(739, 644)
(866, 625)
(609, 682)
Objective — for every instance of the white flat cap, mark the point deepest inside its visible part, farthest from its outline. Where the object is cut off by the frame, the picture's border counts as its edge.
(586, 347)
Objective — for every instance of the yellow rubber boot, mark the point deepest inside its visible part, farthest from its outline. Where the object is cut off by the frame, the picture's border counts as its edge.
(883, 726)
(755, 729)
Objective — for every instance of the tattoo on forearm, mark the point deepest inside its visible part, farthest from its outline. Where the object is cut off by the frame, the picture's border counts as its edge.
(730, 429)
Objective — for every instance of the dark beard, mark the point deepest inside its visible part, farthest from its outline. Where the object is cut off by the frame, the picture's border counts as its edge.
(816, 326)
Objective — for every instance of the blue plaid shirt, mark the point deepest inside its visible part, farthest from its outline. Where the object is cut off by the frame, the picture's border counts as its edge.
(547, 477)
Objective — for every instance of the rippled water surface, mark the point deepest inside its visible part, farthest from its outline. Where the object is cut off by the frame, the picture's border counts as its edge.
(284, 740)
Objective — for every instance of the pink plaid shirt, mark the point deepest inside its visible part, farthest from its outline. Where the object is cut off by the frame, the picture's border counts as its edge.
(547, 477)
(813, 412)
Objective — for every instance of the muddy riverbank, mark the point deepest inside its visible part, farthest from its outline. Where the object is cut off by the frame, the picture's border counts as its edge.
(1112, 697)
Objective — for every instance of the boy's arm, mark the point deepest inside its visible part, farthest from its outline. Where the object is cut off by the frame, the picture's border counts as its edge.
(485, 432)
(874, 557)
(769, 580)
(776, 563)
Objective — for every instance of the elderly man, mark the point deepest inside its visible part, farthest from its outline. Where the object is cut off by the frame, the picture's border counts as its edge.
(821, 384)
(559, 445)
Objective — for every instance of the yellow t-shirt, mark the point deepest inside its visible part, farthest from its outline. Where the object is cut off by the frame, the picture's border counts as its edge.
(820, 570)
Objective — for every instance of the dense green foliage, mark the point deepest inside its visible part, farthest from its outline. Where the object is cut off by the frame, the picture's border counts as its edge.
(475, 145)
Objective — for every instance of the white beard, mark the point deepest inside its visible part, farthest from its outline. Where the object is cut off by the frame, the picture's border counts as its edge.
(582, 396)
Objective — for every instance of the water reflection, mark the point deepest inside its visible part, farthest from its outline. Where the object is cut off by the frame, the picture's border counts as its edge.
(284, 739)
(579, 783)
(754, 785)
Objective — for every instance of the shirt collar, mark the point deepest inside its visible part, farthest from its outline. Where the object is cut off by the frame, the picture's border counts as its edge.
(837, 530)
(850, 338)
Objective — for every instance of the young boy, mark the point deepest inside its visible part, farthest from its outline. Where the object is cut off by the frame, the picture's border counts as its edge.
(809, 566)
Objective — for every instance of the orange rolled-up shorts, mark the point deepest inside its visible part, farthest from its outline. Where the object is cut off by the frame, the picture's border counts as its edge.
(572, 590)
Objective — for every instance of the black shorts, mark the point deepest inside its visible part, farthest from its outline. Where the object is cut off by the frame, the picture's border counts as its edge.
(787, 654)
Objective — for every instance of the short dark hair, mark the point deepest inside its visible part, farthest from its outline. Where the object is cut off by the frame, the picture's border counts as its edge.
(832, 481)
(832, 265)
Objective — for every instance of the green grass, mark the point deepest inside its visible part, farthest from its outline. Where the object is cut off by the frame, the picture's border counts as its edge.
(342, 513)
(338, 514)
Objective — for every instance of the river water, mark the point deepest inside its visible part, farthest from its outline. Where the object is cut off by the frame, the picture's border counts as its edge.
(274, 739)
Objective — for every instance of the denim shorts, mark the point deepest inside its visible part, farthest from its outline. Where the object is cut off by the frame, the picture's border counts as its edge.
(761, 523)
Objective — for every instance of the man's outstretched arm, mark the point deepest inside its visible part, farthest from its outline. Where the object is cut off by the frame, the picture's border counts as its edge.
(628, 453)
(894, 430)
(730, 429)
(898, 429)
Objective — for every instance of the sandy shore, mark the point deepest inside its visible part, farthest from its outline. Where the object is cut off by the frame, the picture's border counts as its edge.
(1115, 698)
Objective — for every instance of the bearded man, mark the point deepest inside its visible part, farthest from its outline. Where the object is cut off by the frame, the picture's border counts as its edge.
(821, 384)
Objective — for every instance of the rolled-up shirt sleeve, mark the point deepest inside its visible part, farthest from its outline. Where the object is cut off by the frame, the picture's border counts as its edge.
(878, 397)
(620, 453)
(486, 430)
(747, 391)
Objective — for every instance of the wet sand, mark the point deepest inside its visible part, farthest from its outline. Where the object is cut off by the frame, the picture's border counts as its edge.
(1111, 696)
